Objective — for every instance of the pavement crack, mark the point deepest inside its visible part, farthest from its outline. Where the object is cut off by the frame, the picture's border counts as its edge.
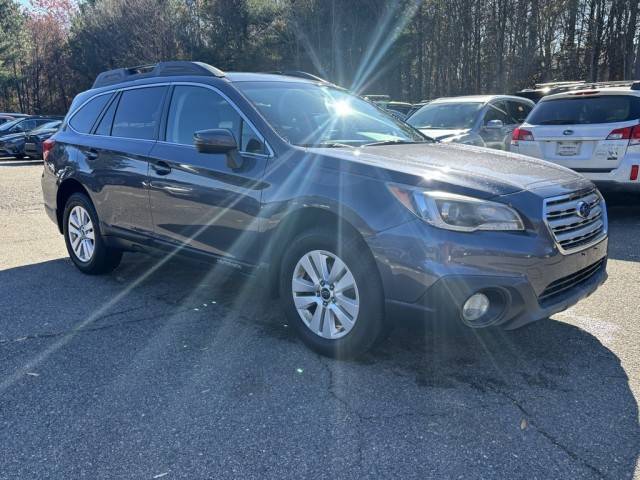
(551, 438)
(94, 328)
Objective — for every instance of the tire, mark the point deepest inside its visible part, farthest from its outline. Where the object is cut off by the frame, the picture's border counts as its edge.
(102, 259)
(19, 157)
(357, 333)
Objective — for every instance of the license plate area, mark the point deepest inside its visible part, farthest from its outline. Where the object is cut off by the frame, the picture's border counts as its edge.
(568, 149)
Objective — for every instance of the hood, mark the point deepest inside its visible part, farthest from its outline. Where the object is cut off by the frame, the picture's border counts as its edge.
(441, 134)
(486, 171)
(11, 136)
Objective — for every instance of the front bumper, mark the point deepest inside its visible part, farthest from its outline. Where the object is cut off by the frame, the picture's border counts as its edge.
(526, 278)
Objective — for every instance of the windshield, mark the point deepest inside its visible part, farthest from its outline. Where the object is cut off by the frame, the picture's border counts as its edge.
(447, 115)
(586, 110)
(307, 114)
(47, 126)
(7, 126)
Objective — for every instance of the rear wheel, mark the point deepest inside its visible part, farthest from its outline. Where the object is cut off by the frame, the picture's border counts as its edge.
(85, 244)
(332, 294)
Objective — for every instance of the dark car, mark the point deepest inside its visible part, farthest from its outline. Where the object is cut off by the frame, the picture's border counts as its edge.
(35, 138)
(13, 134)
(347, 214)
(7, 117)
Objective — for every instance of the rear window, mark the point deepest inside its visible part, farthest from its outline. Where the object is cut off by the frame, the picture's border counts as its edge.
(138, 113)
(586, 110)
(83, 119)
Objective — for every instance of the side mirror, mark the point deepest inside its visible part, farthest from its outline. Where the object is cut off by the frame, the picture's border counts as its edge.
(494, 125)
(218, 140)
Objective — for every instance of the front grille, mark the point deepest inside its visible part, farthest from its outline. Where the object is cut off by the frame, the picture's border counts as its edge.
(570, 230)
(566, 283)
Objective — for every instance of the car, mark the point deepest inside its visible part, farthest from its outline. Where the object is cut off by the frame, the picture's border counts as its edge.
(35, 138)
(352, 218)
(548, 88)
(399, 110)
(13, 134)
(481, 120)
(594, 130)
(7, 117)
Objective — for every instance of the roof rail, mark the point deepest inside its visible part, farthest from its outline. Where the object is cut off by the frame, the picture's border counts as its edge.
(162, 69)
(300, 74)
(595, 85)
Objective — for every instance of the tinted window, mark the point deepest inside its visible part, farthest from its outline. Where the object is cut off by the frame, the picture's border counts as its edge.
(518, 110)
(138, 113)
(104, 127)
(196, 108)
(586, 110)
(83, 119)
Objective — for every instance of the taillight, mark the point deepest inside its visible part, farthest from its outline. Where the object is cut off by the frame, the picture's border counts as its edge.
(634, 138)
(47, 146)
(634, 173)
(620, 134)
(522, 135)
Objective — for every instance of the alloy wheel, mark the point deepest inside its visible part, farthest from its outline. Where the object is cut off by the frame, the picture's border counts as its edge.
(325, 294)
(81, 233)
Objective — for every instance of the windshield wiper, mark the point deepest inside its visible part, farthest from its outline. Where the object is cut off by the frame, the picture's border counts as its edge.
(391, 142)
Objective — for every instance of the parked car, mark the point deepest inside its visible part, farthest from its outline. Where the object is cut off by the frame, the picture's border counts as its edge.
(7, 117)
(347, 214)
(593, 130)
(482, 120)
(13, 134)
(35, 138)
(548, 88)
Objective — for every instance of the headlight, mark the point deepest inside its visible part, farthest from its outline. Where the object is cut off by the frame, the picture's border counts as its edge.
(458, 212)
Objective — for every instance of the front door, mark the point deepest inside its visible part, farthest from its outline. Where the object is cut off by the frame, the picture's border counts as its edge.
(198, 200)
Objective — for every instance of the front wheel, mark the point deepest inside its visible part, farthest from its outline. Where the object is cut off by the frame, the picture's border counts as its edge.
(332, 294)
(85, 244)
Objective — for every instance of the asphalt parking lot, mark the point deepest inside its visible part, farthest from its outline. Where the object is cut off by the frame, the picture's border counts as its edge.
(182, 370)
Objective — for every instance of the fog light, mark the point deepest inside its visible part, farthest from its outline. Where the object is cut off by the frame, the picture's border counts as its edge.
(475, 307)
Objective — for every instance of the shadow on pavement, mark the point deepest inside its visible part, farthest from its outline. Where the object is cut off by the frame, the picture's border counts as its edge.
(194, 370)
(624, 225)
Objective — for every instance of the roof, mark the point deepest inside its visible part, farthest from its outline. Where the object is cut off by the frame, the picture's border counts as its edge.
(587, 92)
(477, 99)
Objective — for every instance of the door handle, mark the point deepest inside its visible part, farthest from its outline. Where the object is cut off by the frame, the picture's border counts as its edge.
(161, 168)
(91, 154)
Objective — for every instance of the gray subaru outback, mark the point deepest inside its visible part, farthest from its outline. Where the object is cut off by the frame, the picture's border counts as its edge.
(355, 219)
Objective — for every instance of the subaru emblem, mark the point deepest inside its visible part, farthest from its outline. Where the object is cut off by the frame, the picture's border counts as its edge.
(568, 132)
(583, 209)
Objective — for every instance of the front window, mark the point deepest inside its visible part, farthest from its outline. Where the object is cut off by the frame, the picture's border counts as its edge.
(307, 114)
(446, 116)
(5, 127)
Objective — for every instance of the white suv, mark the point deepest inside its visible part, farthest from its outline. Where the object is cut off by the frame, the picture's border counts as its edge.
(594, 131)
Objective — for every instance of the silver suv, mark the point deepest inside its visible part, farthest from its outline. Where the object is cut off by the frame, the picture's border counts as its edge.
(482, 120)
(594, 130)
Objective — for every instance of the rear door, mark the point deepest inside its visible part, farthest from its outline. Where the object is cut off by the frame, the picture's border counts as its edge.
(198, 200)
(116, 153)
(582, 132)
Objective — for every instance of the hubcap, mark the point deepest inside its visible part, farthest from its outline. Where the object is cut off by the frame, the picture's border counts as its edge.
(325, 294)
(81, 234)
